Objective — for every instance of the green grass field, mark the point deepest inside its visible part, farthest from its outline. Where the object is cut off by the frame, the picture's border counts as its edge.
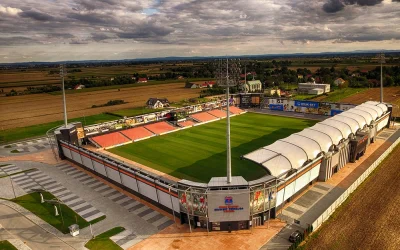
(15, 134)
(199, 153)
(103, 242)
(45, 211)
(339, 94)
(6, 245)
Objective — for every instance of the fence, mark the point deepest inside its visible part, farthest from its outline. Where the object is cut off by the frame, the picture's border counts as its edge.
(325, 215)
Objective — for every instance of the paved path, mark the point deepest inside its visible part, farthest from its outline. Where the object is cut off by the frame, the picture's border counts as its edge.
(36, 179)
(17, 226)
(148, 214)
(25, 147)
(121, 210)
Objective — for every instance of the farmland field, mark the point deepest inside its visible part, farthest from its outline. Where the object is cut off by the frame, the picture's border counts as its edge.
(22, 111)
(199, 153)
(369, 219)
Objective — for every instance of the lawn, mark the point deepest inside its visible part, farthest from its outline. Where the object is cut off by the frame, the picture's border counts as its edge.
(103, 242)
(6, 245)
(15, 134)
(45, 211)
(134, 111)
(339, 94)
(199, 153)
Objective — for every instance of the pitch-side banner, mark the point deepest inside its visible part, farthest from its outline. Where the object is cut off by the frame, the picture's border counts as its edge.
(232, 205)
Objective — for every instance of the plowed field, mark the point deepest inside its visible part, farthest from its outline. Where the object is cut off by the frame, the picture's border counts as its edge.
(370, 219)
(21, 111)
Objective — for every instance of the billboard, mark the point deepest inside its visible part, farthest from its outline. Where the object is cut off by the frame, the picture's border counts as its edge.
(306, 104)
(245, 101)
(232, 205)
(193, 201)
(276, 107)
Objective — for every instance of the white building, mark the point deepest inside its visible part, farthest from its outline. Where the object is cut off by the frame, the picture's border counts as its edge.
(306, 87)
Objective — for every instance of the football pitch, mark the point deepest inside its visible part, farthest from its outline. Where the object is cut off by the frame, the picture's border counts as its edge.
(199, 153)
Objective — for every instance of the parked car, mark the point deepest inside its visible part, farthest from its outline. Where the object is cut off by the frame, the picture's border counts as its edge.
(295, 236)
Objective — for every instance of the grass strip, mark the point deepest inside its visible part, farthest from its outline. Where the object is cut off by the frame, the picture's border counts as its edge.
(103, 241)
(6, 245)
(45, 211)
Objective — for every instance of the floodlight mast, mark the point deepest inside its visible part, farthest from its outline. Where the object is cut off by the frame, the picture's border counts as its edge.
(63, 72)
(228, 129)
(381, 58)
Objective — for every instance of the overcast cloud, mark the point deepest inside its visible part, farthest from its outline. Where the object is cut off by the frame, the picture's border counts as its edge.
(52, 30)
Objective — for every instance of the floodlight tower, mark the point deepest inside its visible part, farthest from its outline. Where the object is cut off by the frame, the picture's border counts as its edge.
(228, 80)
(381, 58)
(63, 72)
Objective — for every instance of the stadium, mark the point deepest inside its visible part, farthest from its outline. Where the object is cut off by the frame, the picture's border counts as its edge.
(176, 159)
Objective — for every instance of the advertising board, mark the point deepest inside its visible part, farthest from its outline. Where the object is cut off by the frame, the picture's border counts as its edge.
(232, 205)
(276, 107)
(245, 101)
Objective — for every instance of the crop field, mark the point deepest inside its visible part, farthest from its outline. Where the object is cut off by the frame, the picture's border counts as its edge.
(199, 153)
(22, 111)
(369, 219)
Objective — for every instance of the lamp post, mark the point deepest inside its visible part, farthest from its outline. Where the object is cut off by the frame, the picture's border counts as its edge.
(381, 58)
(63, 72)
(56, 201)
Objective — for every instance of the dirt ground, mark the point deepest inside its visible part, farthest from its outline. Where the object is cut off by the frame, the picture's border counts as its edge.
(369, 220)
(390, 95)
(21, 111)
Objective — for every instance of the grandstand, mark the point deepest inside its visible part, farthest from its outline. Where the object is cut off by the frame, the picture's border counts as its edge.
(186, 124)
(235, 110)
(137, 133)
(160, 128)
(203, 117)
(218, 113)
(110, 140)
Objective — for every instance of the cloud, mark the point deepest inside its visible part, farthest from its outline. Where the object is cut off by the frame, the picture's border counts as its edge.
(35, 15)
(333, 6)
(9, 10)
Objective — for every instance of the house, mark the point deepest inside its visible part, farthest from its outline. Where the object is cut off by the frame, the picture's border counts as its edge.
(339, 81)
(157, 103)
(79, 86)
(306, 87)
(299, 76)
(181, 77)
(142, 79)
(272, 92)
(253, 86)
(199, 85)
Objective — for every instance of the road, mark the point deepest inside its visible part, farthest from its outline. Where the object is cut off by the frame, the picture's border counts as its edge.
(20, 227)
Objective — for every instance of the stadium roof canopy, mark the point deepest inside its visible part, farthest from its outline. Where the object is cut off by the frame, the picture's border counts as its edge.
(295, 151)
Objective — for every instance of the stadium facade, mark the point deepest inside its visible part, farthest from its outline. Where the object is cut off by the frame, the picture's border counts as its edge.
(293, 163)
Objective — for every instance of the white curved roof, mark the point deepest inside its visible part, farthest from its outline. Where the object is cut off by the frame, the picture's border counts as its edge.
(351, 122)
(377, 110)
(294, 151)
(334, 133)
(294, 154)
(361, 117)
(323, 140)
(344, 128)
(379, 105)
(369, 111)
(310, 147)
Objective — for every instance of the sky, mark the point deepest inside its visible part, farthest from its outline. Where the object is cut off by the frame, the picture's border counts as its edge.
(55, 30)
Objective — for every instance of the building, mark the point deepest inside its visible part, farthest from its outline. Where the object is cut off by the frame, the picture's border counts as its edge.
(315, 92)
(306, 87)
(79, 86)
(253, 86)
(142, 80)
(199, 85)
(339, 81)
(157, 103)
(272, 92)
